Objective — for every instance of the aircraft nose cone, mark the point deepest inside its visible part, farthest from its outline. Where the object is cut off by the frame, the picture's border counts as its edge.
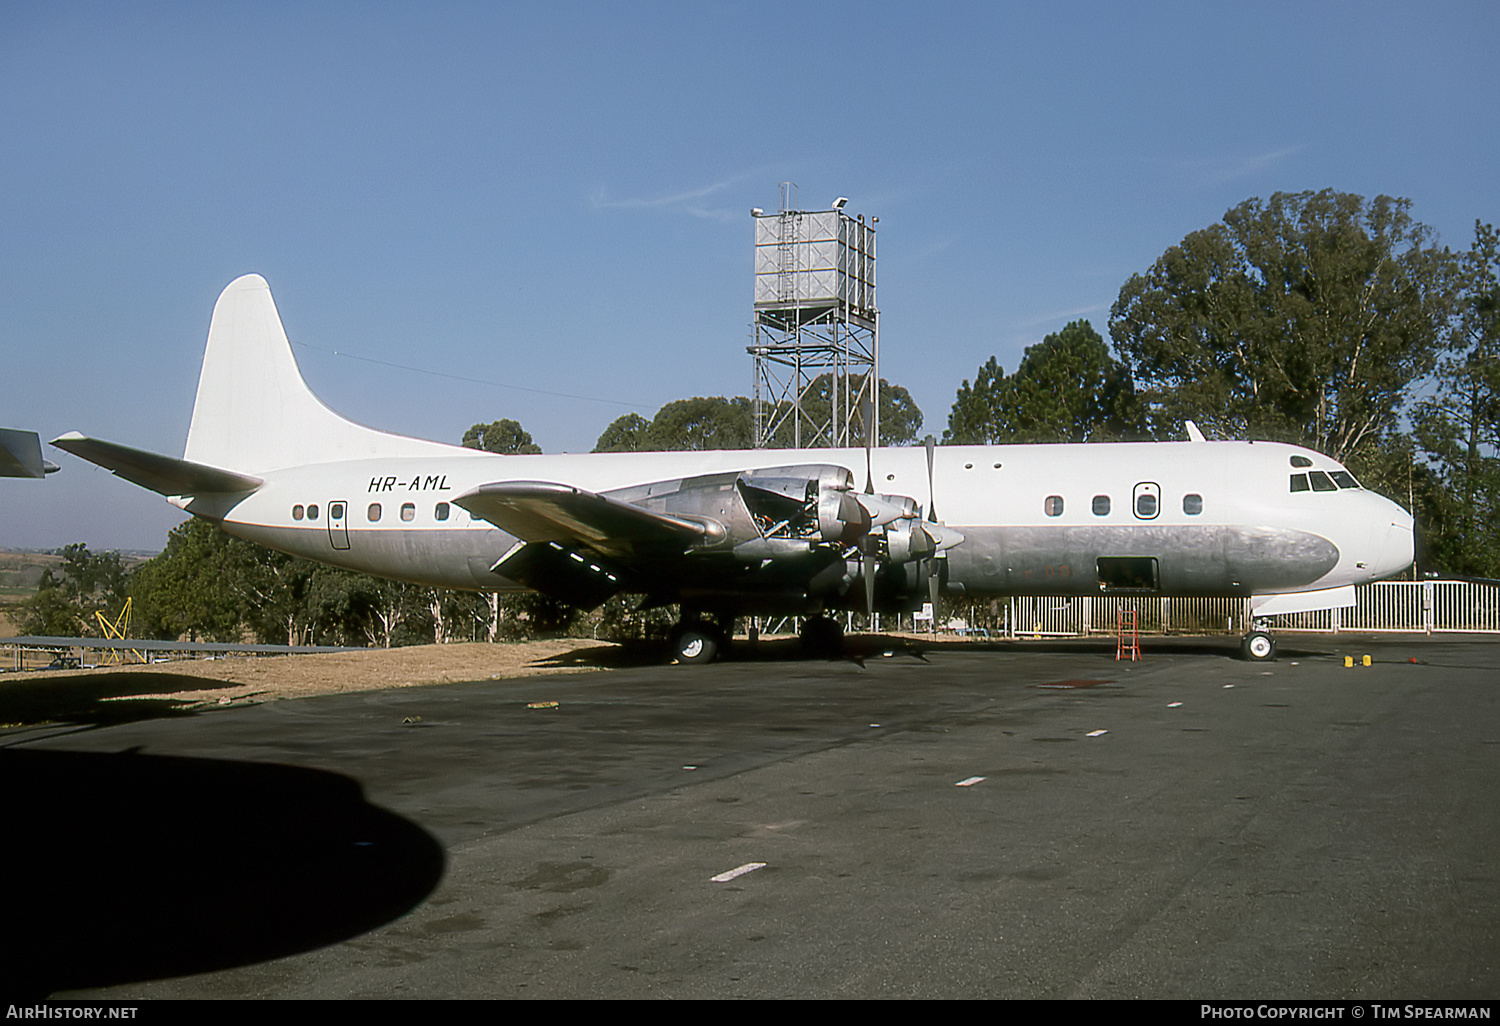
(1395, 542)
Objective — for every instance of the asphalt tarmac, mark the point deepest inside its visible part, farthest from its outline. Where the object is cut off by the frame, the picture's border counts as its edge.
(1007, 821)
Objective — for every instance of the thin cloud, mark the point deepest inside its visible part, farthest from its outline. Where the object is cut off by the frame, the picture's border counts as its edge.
(1221, 170)
(1066, 316)
(690, 202)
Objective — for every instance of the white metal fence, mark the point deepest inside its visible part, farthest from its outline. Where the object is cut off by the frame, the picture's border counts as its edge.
(1419, 607)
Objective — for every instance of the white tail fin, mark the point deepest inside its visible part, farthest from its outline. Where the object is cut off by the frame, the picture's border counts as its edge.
(254, 413)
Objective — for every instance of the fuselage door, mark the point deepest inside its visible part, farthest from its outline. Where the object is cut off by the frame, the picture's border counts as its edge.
(338, 523)
(1147, 500)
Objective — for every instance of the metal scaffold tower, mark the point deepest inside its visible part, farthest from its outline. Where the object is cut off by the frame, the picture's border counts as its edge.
(817, 330)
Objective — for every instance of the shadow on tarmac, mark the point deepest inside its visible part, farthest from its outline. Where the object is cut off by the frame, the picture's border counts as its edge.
(128, 867)
(98, 699)
(859, 648)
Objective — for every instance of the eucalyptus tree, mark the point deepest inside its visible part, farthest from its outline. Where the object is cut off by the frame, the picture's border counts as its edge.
(1458, 425)
(1067, 388)
(503, 436)
(1306, 318)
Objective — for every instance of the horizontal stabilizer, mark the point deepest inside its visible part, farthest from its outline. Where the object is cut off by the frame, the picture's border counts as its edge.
(21, 454)
(1302, 601)
(163, 474)
(540, 511)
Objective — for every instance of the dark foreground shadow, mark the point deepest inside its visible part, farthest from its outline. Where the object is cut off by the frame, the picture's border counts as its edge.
(99, 698)
(119, 868)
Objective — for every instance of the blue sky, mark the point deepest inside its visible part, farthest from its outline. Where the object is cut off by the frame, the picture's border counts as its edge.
(545, 207)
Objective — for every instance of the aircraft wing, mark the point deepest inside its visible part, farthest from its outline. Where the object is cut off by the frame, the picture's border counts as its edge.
(165, 475)
(543, 512)
(21, 454)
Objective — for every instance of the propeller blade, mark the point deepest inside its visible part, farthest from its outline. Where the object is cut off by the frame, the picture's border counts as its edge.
(867, 415)
(871, 563)
(931, 444)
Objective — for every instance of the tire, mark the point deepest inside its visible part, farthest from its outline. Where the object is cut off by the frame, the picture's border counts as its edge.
(1259, 647)
(696, 643)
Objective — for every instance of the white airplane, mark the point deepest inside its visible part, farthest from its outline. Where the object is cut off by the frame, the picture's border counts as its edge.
(21, 455)
(734, 533)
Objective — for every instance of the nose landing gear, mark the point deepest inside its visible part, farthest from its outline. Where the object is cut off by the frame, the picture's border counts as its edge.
(1258, 646)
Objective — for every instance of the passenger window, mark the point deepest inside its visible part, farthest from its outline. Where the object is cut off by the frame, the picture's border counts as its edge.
(1299, 482)
(1053, 506)
(1321, 482)
(373, 512)
(336, 510)
(442, 511)
(1101, 505)
(297, 512)
(408, 511)
(1192, 504)
(312, 511)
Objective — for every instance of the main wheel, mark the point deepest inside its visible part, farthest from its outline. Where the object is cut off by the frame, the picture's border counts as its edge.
(1259, 647)
(696, 642)
(822, 638)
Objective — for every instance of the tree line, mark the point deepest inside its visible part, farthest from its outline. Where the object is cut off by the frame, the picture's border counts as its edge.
(1318, 318)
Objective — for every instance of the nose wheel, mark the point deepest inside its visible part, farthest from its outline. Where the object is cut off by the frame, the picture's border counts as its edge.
(1259, 646)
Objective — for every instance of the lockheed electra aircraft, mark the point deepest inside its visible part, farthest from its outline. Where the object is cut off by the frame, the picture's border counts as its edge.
(736, 533)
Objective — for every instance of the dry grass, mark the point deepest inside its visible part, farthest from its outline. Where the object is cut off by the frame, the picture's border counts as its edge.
(130, 692)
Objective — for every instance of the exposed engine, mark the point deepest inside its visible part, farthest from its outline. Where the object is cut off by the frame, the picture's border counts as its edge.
(763, 514)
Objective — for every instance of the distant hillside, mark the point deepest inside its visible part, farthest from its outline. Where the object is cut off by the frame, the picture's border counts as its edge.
(21, 571)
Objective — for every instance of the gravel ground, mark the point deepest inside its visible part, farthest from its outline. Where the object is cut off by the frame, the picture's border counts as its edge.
(39, 696)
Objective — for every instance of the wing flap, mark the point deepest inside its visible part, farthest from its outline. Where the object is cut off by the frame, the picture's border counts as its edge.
(165, 475)
(543, 511)
(549, 568)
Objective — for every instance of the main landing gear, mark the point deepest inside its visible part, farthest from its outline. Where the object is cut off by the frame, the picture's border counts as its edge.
(1258, 646)
(695, 640)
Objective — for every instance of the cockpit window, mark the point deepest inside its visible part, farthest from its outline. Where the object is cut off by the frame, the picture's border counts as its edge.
(1320, 481)
(1301, 461)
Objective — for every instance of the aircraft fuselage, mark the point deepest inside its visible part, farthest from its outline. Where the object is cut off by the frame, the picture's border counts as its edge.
(1181, 518)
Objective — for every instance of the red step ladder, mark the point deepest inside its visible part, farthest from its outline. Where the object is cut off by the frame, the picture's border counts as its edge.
(1127, 636)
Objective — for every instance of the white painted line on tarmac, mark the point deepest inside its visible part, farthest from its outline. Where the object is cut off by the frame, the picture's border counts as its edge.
(748, 867)
(970, 782)
(1096, 733)
(1173, 705)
